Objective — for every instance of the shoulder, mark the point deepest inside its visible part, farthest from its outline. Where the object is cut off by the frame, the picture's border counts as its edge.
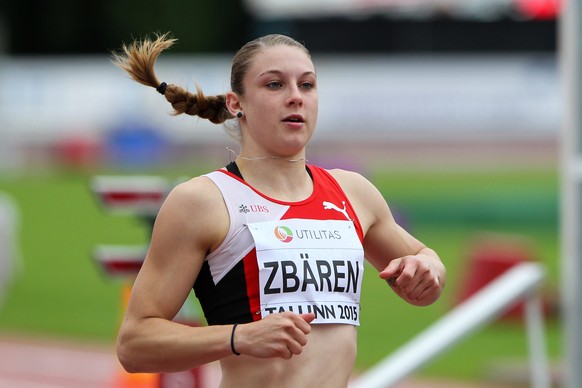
(366, 199)
(353, 183)
(345, 175)
(195, 208)
(195, 193)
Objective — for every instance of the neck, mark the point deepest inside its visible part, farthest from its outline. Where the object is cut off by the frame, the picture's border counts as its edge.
(277, 178)
(240, 157)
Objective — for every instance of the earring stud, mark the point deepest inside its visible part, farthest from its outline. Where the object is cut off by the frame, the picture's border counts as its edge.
(239, 114)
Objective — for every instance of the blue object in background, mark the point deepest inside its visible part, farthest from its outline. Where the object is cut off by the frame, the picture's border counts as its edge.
(135, 145)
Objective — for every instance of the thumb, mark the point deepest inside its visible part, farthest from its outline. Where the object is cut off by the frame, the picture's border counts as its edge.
(393, 269)
(308, 317)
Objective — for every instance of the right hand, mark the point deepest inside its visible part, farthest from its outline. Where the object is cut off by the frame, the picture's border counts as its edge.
(277, 335)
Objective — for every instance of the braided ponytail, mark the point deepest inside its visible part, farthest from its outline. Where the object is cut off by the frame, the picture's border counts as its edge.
(138, 60)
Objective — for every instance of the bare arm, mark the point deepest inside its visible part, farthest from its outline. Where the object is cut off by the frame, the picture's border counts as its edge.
(414, 271)
(182, 235)
(192, 222)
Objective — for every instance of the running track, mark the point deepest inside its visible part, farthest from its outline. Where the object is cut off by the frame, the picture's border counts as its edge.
(41, 363)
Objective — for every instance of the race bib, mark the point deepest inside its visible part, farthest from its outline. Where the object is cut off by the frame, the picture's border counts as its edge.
(308, 266)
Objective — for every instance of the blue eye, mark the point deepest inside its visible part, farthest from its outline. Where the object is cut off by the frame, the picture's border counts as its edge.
(274, 85)
(306, 85)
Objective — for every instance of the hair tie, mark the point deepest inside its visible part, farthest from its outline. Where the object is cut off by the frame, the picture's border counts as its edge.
(162, 88)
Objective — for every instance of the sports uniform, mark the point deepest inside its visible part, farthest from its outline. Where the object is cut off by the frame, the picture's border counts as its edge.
(304, 256)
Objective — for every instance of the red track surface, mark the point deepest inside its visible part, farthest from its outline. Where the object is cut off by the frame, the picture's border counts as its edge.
(40, 363)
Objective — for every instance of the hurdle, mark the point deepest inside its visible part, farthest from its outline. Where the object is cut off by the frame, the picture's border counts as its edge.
(139, 196)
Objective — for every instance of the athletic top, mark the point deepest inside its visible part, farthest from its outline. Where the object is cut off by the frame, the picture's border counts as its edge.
(304, 256)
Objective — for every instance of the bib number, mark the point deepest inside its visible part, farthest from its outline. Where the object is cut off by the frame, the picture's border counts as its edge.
(310, 266)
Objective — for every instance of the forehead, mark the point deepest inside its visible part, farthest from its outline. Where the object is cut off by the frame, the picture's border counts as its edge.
(281, 58)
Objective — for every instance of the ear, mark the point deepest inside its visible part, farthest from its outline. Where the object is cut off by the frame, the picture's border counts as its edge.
(233, 103)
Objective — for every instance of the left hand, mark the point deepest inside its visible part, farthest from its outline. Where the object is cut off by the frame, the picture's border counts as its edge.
(418, 279)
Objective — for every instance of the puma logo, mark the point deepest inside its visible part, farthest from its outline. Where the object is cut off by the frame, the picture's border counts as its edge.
(331, 206)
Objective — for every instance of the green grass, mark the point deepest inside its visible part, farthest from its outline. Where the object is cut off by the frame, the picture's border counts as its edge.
(61, 292)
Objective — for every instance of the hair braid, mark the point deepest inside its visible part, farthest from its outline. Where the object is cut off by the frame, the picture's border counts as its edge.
(138, 60)
(212, 108)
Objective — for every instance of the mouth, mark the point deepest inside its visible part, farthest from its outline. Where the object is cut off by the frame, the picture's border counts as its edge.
(294, 118)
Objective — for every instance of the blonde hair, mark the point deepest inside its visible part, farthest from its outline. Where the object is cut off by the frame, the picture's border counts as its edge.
(138, 60)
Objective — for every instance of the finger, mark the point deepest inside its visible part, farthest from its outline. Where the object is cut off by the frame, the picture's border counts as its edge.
(418, 285)
(426, 293)
(392, 270)
(286, 353)
(425, 288)
(296, 347)
(392, 281)
(285, 346)
(299, 335)
(405, 279)
(293, 341)
(296, 327)
(305, 321)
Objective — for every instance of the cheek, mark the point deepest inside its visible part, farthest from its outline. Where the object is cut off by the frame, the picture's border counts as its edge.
(266, 105)
(313, 101)
(314, 106)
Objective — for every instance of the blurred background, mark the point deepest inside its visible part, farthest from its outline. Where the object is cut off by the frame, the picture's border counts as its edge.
(451, 107)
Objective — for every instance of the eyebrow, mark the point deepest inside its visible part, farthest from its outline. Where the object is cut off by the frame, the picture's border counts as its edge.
(274, 71)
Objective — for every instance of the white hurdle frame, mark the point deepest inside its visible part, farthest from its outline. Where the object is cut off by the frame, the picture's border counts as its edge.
(521, 282)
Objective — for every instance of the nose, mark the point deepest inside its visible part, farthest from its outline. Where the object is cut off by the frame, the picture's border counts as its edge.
(295, 97)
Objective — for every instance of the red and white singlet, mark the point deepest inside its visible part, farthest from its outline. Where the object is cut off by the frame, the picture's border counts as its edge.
(277, 256)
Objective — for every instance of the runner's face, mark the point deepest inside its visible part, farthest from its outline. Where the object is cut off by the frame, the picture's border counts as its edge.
(280, 103)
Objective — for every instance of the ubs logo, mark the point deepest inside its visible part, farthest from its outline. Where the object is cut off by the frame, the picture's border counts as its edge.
(259, 208)
(283, 234)
(253, 208)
